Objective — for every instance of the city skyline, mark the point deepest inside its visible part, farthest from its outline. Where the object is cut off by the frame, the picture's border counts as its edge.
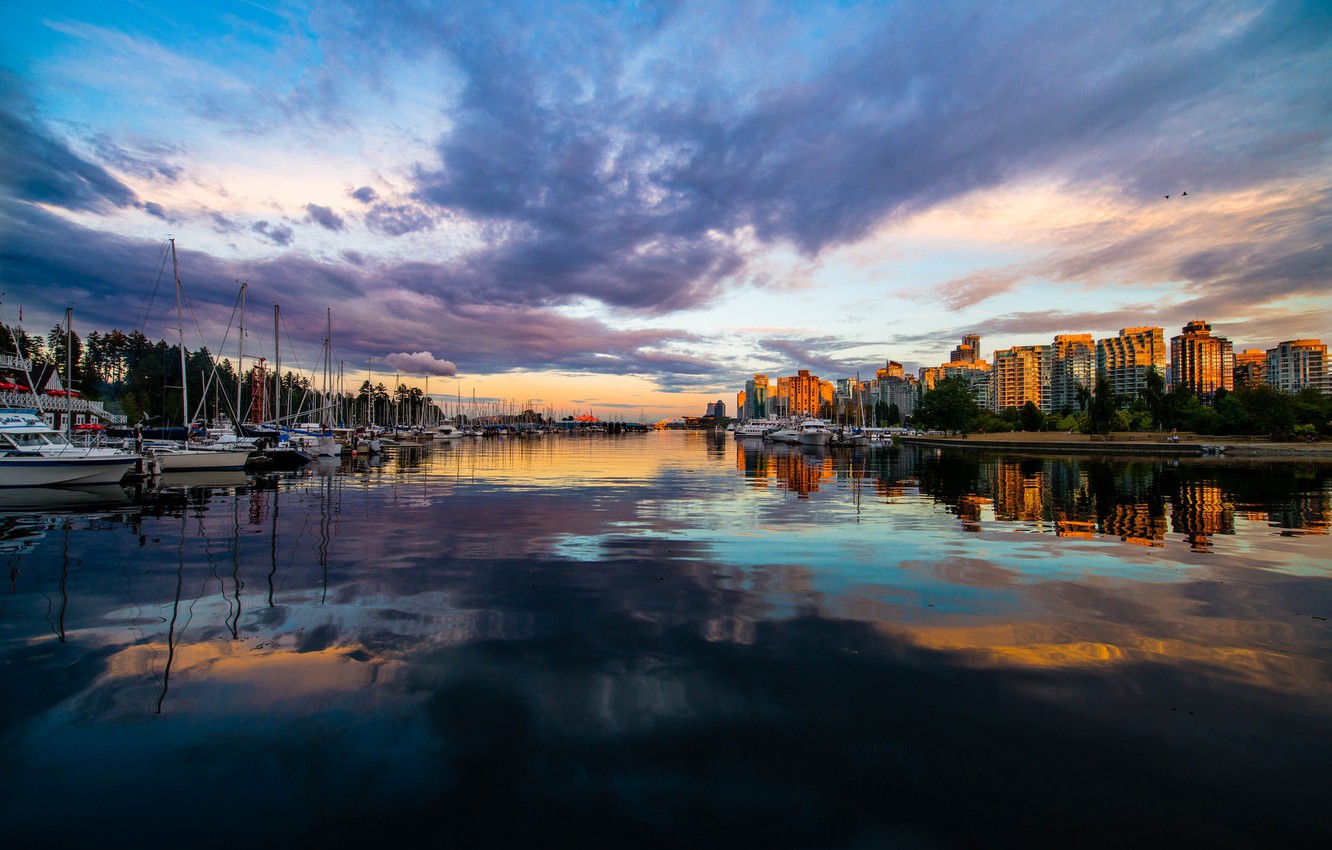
(631, 208)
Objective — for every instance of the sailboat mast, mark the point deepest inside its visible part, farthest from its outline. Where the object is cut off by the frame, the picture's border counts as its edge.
(240, 361)
(180, 336)
(69, 367)
(277, 371)
(328, 364)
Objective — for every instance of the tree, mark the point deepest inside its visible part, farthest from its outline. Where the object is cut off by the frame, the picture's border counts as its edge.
(894, 414)
(1031, 417)
(1153, 393)
(950, 405)
(1103, 406)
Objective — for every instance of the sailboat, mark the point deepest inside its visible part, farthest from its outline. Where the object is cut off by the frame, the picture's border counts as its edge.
(287, 454)
(182, 456)
(316, 437)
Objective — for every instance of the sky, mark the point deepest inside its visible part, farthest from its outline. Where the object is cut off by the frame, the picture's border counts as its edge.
(629, 208)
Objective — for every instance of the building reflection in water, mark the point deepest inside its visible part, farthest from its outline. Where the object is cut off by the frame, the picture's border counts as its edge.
(796, 469)
(1138, 502)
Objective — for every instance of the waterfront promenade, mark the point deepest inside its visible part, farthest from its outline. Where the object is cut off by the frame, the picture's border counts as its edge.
(1127, 443)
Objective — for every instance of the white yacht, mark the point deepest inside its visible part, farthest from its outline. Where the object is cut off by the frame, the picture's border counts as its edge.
(33, 454)
(756, 428)
(788, 432)
(813, 432)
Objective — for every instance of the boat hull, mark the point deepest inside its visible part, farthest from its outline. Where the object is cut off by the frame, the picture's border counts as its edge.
(199, 460)
(38, 471)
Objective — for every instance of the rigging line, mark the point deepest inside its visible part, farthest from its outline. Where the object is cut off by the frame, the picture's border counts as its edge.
(141, 319)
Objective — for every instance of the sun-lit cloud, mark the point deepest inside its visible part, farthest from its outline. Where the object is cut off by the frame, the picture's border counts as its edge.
(420, 363)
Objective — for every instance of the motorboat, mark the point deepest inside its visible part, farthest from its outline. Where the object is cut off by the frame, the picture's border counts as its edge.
(785, 433)
(813, 432)
(33, 454)
(755, 428)
(448, 431)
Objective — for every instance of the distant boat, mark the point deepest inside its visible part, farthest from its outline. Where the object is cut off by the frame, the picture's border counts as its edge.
(33, 454)
(448, 431)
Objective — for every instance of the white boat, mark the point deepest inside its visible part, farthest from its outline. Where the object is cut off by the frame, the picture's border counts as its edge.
(448, 431)
(33, 454)
(313, 438)
(756, 428)
(169, 456)
(813, 432)
(788, 432)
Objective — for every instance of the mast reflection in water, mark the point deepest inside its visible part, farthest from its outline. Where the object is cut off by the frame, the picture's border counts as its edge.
(668, 640)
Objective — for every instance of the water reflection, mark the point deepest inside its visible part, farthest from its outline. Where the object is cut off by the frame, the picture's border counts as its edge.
(797, 648)
(1136, 502)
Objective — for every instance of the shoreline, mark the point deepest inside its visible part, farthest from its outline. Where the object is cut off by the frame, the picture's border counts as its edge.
(1131, 444)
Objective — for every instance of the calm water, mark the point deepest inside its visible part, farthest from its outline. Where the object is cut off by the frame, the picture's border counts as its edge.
(668, 640)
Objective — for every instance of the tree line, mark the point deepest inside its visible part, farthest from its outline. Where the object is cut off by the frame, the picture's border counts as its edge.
(132, 375)
(1255, 410)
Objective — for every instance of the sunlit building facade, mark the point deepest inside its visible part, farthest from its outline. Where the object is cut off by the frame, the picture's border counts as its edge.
(968, 351)
(1072, 364)
(1126, 359)
(1200, 362)
(755, 402)
(1021, 375)
(802, 394)
(1298, 363)
(1251, 368)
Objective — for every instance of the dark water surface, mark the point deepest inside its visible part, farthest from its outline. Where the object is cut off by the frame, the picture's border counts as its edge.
(666, 640)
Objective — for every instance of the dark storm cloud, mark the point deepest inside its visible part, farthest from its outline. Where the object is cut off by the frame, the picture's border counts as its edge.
(109, 272)
(599, 166)
(39, 168)
(324, 217)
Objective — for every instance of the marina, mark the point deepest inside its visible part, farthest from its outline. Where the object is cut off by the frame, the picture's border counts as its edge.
(635, 634)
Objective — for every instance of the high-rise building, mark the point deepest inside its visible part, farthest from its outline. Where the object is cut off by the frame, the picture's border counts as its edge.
(802, 394)
(892, 370)
(1126, 359)
(1201, 362)
(900, 390)
(1299, 363)
(755, 404)
(1021, 375)
(1072, 364)
(968, 351)
(1250, 368)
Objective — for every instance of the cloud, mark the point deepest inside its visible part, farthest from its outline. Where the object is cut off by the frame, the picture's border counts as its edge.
(38, 168)
(399, 219)
(365, 195)
(422, 363)
(277, 234)
(324, 217)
